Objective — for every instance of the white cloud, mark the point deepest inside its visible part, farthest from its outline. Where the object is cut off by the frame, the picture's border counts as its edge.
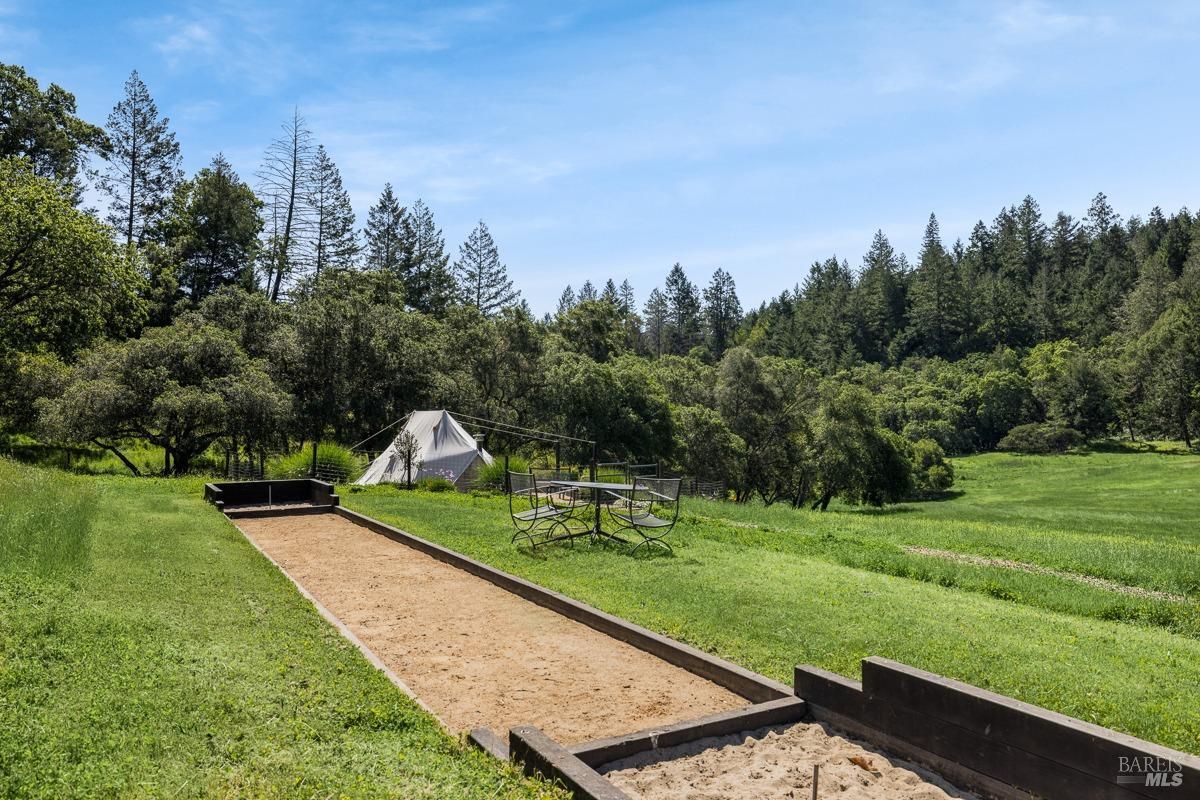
(229, 40)
(426, 33)
(1032, 22)
(972, 55)
(184, 38)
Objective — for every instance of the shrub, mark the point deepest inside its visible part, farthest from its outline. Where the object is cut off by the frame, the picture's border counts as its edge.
(932, 473)
(335, 463)
(434, 483)
(491, 476)
(1041, 437)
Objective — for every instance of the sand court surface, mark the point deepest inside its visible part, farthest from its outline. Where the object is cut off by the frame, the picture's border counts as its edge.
(775, 763)
(477, 655)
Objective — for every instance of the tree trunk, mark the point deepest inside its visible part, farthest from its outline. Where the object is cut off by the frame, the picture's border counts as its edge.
(166, 461)
(133, 166)
(112, 449)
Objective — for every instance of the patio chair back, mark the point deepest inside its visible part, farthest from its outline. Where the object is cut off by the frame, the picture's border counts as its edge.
(566, 497)
(522, 492)
(657, 496)
(538, 514)
(650, 510)
(613, 472)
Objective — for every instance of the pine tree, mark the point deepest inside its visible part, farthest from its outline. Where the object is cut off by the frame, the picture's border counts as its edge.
(384, 238)
(1109, 273)
(213, 230)
(878, 300)
(683, 304)
(1150, 296)
(1050, 292)
(937, 317)
(428, 286)
(1146, 237)
(284, 187)
(334, 243)
(587, 292)
(566, 301)
(482, 280)
(656, 313)
(722, 312)
(143, 163)
(609, 295)
(824, 319)
(1031, 235)
(627, 300)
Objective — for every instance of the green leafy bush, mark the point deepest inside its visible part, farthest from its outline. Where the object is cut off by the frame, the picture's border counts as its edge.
(435, 483)
(932, 473)
(335, 463)
(491, 476)
(1041, 437)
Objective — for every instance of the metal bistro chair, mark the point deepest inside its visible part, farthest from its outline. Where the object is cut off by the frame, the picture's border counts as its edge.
(532, 513)
(566, 498)
(650, 510)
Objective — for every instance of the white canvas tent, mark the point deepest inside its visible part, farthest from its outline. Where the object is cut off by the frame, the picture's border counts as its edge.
(445, 449)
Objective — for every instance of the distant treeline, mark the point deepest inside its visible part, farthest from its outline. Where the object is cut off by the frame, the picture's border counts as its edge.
(205, 311)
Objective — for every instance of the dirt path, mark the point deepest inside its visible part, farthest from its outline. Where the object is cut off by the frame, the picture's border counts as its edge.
(474, 653)
(1088, 580)
(776, 764)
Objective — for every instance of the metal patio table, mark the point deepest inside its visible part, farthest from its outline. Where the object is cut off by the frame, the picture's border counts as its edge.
(597, 487)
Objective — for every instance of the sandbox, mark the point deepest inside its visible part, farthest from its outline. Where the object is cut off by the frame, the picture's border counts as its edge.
(775, 763)
(475, 654)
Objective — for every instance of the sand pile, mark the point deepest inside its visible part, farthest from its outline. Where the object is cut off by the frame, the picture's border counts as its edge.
(772, 763)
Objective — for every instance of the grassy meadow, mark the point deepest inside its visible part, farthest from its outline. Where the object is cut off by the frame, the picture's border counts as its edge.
(769, 587)
(148, 650)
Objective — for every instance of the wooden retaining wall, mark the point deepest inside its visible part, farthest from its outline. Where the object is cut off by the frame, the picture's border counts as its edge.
(994, 744)
(298, 492)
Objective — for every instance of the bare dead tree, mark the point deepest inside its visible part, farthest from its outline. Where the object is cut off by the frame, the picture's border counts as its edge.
(284, 187)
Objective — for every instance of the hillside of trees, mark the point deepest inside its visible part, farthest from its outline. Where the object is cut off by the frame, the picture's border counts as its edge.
(254, 313)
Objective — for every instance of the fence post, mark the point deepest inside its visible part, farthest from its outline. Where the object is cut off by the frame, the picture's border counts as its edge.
(507, 488)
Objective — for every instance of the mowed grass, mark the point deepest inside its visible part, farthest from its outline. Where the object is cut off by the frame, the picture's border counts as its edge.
(772, 587)
(170, 659)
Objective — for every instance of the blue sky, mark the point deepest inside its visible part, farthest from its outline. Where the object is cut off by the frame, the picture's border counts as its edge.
(612, 139)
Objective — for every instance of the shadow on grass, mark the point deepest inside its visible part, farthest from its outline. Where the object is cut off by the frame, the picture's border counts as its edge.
(1125, 446)
(940, 497)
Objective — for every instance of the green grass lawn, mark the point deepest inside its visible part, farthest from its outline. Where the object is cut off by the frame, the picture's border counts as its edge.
(147, 650)
(772, 587)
